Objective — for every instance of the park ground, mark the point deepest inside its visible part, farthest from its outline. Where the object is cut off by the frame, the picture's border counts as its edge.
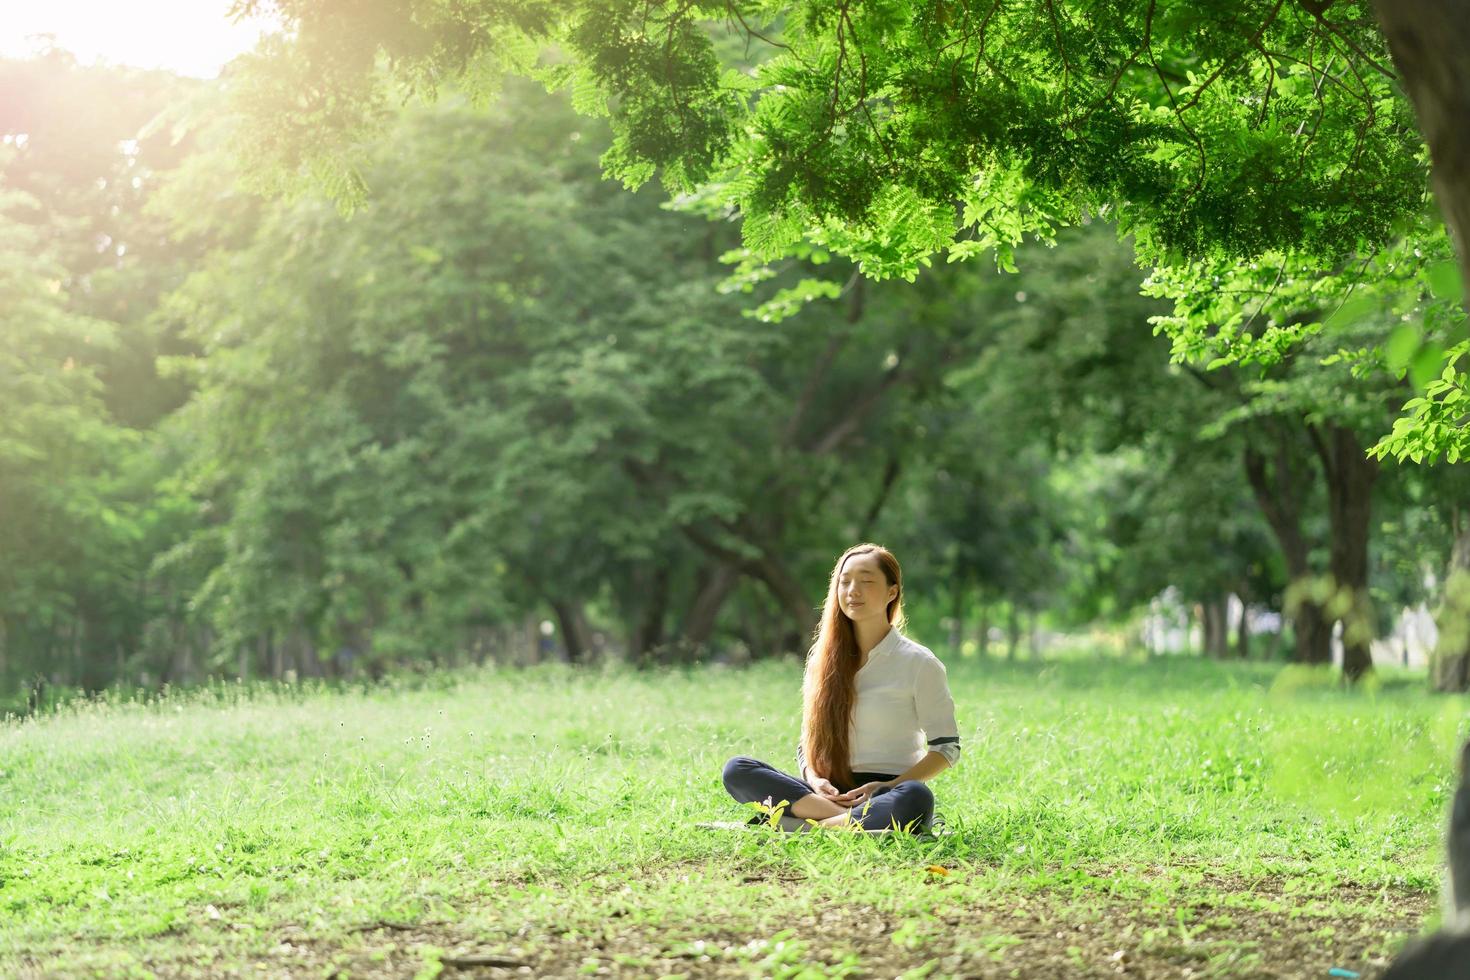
(1153, 818)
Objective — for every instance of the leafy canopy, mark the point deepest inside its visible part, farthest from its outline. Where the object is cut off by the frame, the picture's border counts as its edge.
(891, 130)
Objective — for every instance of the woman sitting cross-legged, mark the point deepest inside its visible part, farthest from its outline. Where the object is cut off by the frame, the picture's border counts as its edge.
(877, 716)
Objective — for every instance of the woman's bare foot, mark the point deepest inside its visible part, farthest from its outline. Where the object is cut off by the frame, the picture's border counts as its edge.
(840, 821)
(818, 808)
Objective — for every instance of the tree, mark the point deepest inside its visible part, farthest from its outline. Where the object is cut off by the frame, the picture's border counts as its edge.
(67, 535)
(1429, 40)
(407, 422)
(521, 377)
(508, 388)
(86, 265)
(85, 149)
(893, 131)
(1225, 130)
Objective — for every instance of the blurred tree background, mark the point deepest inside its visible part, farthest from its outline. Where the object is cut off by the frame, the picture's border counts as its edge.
(507, 409)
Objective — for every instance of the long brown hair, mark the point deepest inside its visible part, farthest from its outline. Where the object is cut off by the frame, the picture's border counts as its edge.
(830, 688)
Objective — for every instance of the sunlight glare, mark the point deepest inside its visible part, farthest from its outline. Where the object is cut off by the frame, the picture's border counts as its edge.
(191, 37)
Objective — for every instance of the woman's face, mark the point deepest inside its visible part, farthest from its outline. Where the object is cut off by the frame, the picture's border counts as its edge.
(862, 591)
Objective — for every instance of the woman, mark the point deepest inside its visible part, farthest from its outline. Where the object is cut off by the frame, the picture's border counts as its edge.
(877, 716)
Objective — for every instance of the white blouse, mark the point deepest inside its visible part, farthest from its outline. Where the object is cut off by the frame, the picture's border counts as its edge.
(903, 710)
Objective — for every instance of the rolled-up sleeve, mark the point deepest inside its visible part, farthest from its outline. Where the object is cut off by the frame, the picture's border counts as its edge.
(935, 709)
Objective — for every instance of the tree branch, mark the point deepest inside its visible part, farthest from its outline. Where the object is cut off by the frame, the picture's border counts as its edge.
(890, 477)
(863, 86)
(837, 71)
(1342, 36)
(858, 414)
(808, 394)
(735, 11)
(1056, 30)
(1225, 62)
(1324, 453)
(1148, 28)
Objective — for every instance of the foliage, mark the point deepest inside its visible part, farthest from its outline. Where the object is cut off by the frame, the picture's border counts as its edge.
(486, 362)
(65, 532)
(506, 391)
(1392, 315)
(1224, 141)
(1220, 131)
(1142, 493)
(85, 264)
(401, 428)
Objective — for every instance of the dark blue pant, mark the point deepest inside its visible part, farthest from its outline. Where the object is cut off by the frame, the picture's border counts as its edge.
(907, 805)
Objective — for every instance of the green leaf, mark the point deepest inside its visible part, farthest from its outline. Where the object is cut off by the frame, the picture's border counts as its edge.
(1358, 306)
(1444, 281)
(1425, 366)
(1401, 346)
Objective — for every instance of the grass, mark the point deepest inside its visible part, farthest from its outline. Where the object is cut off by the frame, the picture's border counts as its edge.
(1195, 816)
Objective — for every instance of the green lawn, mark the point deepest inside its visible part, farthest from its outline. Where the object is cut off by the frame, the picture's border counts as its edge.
(1178, 817)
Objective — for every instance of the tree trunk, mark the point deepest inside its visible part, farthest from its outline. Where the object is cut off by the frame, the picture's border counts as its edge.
(576, 635)
(36, 694)
(797, 606)
(957, 622)
(1313, 634)
(1243, 631)
(78, 663)
(984, 637)
(1449, 665)
(648, 630)
(168, 667)
(1430, 44)
(1280, 484)
(704, 612)
(181, 665)
(885, 487)
(533, 637)
(1449, 668)
(308, 658)
(1013, 631)
(1350, 477)
(1216, 627)
(797, 611)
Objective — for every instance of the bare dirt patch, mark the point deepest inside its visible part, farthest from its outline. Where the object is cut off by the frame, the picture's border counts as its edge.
(1225, 928)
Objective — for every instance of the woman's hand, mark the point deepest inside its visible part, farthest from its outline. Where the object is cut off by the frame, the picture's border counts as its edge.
(824, 788)
(861, 795)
